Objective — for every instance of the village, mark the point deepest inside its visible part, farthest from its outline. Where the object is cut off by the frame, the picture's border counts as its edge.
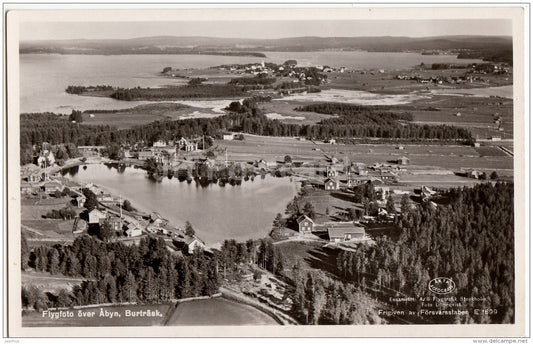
(332, 187)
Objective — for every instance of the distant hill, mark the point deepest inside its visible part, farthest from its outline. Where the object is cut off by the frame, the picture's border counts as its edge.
(211, 45)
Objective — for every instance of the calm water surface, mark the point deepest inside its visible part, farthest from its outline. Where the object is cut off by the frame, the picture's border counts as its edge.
(217, 213)
(44, 77)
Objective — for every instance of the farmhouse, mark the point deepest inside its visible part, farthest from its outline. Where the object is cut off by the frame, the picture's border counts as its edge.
(305, 224)
(133, 230)
(52, 186)
(95, 216)
(331, 184)
(344, 231)
(189, 244)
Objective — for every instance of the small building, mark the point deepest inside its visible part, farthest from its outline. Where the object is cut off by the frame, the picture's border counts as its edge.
(331, 184)
(388, 177)
(95, 216)
(145, 155)
(53, 186)
(477, 144)
(189, 244)
(331, 172)
(496, 138)
(227, 137)
(474, 174)
(80, 201)
(159, 143)
(35, 177)
(403, 161)
(133, 230)
(115, 223)
(305, 224)
(104, 198)
(344, 231)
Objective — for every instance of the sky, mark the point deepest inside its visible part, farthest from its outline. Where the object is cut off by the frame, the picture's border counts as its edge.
(264, 29)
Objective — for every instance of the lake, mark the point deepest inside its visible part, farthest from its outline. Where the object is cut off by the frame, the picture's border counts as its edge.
(44, 77)
(216, 213)
(218, 311)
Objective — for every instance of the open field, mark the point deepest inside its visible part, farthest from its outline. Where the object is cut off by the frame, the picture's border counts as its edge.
(286, 108)
(217, 311)
(49, 283)
(374, 81)
(143, 114)
(452, 158)
(40, 231)
(97, 316)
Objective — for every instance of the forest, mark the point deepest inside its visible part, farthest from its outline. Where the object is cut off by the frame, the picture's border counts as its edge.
(181, 92)
(371, 121)
(469, 239)
(115, 272)
(353, 122)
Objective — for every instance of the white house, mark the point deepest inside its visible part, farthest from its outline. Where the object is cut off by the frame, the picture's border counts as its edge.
(95, 216)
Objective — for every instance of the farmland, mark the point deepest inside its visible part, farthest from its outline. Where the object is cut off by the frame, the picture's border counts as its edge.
(446, 159)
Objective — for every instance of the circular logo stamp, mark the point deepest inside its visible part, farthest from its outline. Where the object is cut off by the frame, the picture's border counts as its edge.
(441, 285)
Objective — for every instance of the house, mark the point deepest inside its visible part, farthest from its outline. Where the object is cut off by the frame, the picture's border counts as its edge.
(80, 201)
(187, 145)
(388, 177)
(145, 155)
(115, 222)
(159, 143)
(192, 243)
(344, 231)
(95, 216)
(305, 224)
(228, 137)
(104, 198)
(52, 186)
(35, 177)
(331, 184)
(133, 230)
(331, 172)
(403, 161)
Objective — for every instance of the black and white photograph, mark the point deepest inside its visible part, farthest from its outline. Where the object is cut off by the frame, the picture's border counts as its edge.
(268, 169)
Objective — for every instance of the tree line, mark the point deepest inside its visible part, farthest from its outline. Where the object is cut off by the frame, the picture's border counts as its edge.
(247, 118)
(469, 239)
(114, 272)
(371, 121)
(193, 90)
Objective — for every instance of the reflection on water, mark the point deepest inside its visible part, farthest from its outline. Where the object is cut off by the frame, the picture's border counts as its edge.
(216, 212)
